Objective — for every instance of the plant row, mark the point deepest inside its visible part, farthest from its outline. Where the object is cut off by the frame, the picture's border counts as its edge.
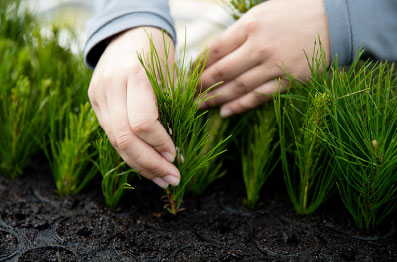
(336, 132)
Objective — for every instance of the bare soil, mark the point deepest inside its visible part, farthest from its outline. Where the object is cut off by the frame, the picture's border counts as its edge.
(38, 225)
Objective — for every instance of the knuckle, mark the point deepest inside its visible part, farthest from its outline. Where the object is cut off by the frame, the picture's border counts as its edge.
(136, 72)
(259, 97)
(113, 141)
(92, 96)
(240, 106)
(216, 51)
(153, 169)
(241, 86)
(251, 26)
(124, 140)
(143, 126)
(262, 51)
(218, 74)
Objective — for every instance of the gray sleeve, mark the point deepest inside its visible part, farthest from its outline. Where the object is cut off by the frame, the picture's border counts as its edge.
(370, 24)
(114, 16)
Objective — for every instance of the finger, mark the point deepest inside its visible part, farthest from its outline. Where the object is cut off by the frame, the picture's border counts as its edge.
(230, 66)
(143, 116)
(228, 41)
(240, 86)
(131, 148)
(257, 97)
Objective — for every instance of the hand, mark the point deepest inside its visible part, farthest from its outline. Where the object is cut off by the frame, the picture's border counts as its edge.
(255, 52)
(125, 105)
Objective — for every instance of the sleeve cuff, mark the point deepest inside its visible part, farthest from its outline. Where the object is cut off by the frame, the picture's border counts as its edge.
(95, 44)
(339, 30)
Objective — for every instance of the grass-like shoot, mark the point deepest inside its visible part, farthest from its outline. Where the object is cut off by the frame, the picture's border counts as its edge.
(259, 145)
(175, 88)
(301, 115)
(217, 129)
(362, 137)
(240, 7)
(114, 177)
(69, 139)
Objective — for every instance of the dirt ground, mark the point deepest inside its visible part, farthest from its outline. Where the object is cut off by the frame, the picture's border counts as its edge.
(37, 225)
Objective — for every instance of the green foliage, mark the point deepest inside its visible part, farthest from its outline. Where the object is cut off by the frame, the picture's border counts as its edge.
(175, 89)
(32, 71)
(69, 141)
(16, 24)
(240, 7)
(23, 119)
(362, 136)
(217, 129)
(23, 95)
(257, 152)
(114, 179)
(301, 116)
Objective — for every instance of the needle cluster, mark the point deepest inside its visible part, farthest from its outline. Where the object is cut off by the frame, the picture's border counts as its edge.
(176, 88)
(114, 174)
(218, 130)
(361, 134)
(257, 155)
(69, 154)
(301, 115)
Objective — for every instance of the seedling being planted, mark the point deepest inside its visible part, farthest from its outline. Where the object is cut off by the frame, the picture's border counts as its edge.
(175, 88)
(362, 136)
(258, 150)
(69, 142)
(114, 177)
(301, 115)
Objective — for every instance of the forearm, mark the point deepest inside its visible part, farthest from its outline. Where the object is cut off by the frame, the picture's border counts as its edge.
(367, 24)
(114, 16)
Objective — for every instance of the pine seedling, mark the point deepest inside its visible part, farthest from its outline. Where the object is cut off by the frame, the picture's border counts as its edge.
(30, 67)
(23, 118)
(69, 142)
(114, 177)
(240, 7)
(175, 88)
(362, 136)
(301, 116)
(23, 99)
(217, 129)
(257, 155)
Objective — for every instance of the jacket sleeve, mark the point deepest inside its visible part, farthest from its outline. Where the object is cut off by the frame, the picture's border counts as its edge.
(367, 24)
(114, 16)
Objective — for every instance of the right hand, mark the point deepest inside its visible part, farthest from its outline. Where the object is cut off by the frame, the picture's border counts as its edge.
(126, 107)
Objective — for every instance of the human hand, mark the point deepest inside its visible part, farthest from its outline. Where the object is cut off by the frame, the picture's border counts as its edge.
(254, 53)
(126, 107)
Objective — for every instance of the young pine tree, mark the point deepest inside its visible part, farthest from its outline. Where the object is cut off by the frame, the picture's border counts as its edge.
(362, 138)
(175, 88)
(114, 177)
(72, 130)
(257, 155)
(301, 116)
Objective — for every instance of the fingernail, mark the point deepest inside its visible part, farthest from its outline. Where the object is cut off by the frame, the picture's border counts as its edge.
(160, 182)
(172, 180)
(168, 156)
(225, 112)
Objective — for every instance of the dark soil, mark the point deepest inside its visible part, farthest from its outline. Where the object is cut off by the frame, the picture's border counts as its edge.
(37, 225)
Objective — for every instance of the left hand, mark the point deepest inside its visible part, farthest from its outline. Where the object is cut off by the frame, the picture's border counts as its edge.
(252, 55)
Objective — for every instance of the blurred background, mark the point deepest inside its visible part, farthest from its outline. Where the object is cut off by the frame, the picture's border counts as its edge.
(203, 20)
